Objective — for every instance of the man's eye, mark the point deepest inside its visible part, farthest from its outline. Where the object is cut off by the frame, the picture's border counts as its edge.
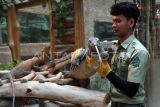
(117, 21)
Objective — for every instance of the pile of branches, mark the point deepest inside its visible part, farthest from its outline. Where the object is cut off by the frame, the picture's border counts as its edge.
(41, 68)
(33, 76)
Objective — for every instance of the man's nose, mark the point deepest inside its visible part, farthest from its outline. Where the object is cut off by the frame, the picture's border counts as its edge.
(114, 25)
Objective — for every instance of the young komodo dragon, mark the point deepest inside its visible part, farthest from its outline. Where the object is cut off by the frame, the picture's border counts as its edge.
(79, 67)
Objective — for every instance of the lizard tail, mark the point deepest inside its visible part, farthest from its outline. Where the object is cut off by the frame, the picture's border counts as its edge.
(13, 89)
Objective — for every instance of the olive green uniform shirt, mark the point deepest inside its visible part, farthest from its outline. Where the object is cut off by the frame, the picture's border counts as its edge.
(130, 63)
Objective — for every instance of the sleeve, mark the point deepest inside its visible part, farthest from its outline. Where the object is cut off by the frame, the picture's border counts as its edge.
(128, 88)
(138, 67)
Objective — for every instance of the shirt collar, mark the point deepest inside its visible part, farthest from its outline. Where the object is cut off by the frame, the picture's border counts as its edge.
(128, 41)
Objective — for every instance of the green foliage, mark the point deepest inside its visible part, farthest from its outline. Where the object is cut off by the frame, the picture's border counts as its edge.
(8, 66)
(4, 4)
(99, 84)
(62, 11)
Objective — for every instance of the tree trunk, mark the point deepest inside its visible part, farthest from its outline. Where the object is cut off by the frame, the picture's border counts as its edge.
(54, 92)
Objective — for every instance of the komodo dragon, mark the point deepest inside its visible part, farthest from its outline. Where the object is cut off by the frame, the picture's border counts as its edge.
(78, 67)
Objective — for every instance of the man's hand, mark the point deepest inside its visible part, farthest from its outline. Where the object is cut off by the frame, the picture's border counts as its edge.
(102, 68)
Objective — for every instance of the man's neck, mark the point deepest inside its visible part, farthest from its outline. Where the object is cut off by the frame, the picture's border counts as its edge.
(123, 38)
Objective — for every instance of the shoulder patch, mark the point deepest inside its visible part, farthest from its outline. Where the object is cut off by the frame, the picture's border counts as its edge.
(136, 62)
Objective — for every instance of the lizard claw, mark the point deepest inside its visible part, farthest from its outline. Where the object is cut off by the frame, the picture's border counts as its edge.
(73, 67)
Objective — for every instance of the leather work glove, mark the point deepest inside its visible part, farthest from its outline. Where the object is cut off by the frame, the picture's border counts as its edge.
(102, 68)
(77, 57)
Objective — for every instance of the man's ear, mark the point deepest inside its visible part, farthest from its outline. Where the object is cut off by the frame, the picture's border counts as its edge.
(132, 21)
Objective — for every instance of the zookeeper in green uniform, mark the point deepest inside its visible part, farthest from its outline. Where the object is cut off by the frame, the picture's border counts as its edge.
(130, 61)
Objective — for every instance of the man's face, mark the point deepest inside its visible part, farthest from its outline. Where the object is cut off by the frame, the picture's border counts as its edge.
(121, 26)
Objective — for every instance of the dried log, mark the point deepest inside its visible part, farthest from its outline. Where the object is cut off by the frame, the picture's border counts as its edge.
(52, 91)
(39, 77)
(61, 65)
(67, 104)
(65, 81)
(53, 65)
(57, 67)
(44, 72)
(50, 75)
(47, 66)
(26, 78)
(62, 59)
(53, 79)
(64, 52)
(44, 67)
(23, 79)
(25, 67)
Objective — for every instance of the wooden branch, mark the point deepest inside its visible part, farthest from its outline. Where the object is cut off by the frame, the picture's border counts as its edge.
(65, 81)
(50, 75)
(64, 53)
(44, 67)
(25, 67)
(44, 72)
(39, 77)
(53, 79)
(52, 91)
(23, 79)
(27, 78)
(67, 104)
(62, 59)
(60, 65)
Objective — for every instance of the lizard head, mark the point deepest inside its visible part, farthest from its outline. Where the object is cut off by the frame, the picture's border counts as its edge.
(92, 42)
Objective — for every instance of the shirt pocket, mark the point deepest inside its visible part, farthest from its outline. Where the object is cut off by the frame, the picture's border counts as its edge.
(123, 69)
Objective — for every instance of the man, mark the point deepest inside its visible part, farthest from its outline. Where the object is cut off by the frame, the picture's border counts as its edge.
(130, 61)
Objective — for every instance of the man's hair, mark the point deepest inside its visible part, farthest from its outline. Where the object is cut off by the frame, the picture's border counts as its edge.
(128, 9)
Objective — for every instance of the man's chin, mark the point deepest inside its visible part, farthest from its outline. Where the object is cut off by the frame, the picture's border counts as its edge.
(116, 33)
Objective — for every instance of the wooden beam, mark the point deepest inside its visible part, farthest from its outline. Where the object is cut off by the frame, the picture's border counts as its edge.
(79, 36)
(54, 92)
(13, 34)
(30, 4)
(52, 35)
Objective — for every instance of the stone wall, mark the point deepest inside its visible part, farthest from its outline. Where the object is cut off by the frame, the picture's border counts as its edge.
(5, 54)
(95, 10)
